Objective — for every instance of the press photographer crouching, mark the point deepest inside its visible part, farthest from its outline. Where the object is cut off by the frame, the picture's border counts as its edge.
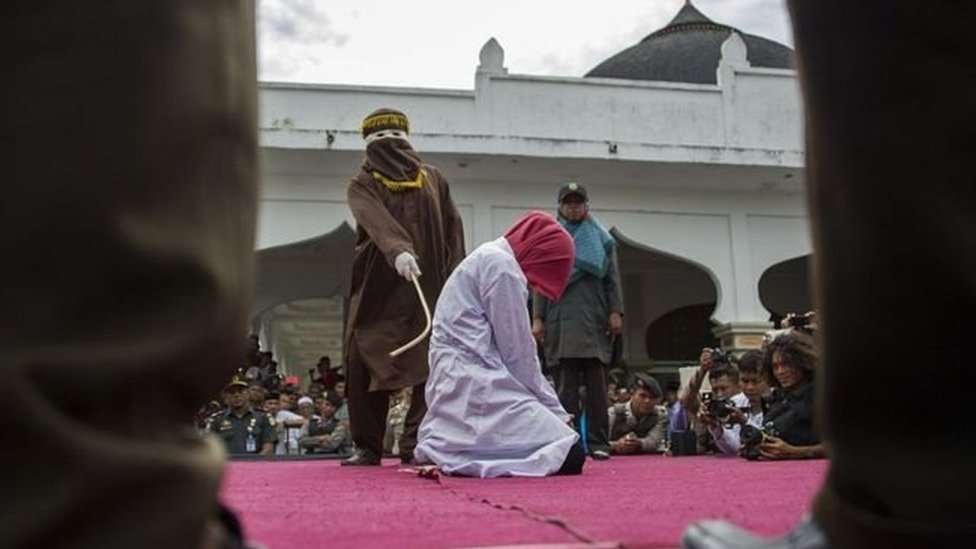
(639, 426)
(787, 432)
(697, 413)
(744, 405)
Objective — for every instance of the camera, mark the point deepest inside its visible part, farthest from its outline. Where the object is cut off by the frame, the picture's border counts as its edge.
(751, 437)
(719, 357)
(720, 409)
(804, 322)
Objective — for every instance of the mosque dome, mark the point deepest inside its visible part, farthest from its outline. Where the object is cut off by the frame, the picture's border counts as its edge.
(688, 49)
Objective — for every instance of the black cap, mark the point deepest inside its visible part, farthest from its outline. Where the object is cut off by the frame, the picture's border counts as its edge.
(648, 383)
(572, 188)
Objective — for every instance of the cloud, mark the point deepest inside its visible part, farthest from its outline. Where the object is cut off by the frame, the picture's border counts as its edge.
(766, 18)
(298, 22)
(588, 54)
(289, 33)
(336, 40)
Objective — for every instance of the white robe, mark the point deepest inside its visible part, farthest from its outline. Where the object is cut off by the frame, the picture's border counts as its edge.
(490, 411)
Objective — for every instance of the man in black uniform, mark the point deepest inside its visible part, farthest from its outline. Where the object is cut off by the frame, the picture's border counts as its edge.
(243, 429)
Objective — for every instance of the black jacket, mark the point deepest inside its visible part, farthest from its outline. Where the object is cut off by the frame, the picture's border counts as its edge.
(790, 416)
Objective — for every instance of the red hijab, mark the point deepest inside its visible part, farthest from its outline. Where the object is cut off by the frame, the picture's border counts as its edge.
(544, 251)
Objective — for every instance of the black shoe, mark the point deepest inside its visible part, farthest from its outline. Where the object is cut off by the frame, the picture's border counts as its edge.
(720, 534)
(600, 455)
(233, 534)
(360, 458)
(414, 462)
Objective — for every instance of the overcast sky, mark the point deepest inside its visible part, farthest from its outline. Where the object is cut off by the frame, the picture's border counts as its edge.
(435, 43)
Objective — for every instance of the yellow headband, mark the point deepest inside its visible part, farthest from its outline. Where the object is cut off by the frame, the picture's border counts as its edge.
(385, 121)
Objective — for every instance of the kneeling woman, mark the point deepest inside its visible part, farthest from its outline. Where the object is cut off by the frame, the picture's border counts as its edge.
(490, 411)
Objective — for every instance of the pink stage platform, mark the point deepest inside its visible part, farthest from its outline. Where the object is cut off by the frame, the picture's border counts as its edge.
(632, 502)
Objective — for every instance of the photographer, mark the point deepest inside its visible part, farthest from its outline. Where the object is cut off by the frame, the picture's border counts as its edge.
(722, 407)
(754, 387)
(789, 363)
(688, 404)
(639, 426)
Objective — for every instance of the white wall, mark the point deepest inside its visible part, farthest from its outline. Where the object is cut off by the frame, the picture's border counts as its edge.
(709, 173)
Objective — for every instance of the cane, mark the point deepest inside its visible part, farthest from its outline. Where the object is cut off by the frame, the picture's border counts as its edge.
(413, 343)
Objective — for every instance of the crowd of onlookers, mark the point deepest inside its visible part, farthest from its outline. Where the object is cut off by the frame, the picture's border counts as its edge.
(261, 411)
(757, 404)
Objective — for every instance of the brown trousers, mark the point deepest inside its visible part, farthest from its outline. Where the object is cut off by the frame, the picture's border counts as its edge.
(890, 92)
(129, 132)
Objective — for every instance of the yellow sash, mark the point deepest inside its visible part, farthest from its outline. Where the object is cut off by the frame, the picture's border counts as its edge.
(400, 186)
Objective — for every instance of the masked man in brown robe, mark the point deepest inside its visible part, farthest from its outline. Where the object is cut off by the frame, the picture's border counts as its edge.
(407, 226)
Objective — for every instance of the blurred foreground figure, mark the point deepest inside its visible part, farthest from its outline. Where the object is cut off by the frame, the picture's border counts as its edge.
(129, 131)
(889, 90)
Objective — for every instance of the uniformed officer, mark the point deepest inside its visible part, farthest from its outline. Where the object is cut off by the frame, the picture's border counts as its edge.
(242, 428)
(639, 426)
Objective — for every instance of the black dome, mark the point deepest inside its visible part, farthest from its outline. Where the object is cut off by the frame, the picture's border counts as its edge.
(688, 49)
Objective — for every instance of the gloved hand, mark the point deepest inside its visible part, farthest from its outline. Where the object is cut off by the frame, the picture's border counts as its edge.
(406, 265)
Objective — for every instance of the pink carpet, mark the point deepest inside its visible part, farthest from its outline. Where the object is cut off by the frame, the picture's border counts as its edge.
(640, 501)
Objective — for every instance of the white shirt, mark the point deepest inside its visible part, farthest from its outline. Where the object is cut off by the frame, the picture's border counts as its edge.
(490, 411)
(727, 438)
(288, 442)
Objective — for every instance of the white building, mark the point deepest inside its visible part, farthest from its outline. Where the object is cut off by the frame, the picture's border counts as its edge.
(690, 144)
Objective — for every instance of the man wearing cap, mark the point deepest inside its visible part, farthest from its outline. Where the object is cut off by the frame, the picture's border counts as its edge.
(640, 425)
(325, 433)
(407, 227)
(578, 331)
(243, 429)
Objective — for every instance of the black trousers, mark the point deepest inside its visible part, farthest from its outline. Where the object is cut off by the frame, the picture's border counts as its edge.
(889, 88)
(573, 464)
(368, 411)
(573, 373)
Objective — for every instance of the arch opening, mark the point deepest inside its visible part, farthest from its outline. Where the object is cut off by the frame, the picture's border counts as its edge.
(669, 303)
(785, 288)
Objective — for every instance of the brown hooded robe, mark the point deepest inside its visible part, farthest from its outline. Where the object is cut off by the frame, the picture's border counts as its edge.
(384, 310)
